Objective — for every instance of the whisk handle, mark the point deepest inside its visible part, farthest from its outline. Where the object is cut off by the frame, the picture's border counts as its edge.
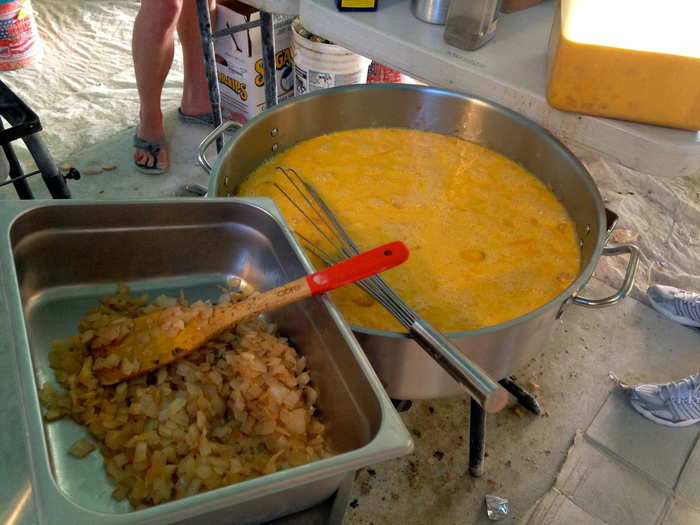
(485, 391)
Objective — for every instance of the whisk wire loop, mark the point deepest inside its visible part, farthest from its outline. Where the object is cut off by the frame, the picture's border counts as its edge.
(480, 386)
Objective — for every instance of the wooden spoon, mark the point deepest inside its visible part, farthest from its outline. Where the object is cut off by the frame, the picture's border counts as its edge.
(157, 339)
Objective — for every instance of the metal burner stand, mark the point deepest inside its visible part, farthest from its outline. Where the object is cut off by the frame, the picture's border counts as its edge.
(25, 125)
(477, 421)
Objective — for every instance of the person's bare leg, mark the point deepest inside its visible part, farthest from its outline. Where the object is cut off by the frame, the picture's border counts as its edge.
(195, 93)
(152, 48)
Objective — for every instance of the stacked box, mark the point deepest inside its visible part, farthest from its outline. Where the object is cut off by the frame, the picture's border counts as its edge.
(239, 61)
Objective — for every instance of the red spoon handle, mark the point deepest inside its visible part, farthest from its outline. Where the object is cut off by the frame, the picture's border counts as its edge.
(357, 268)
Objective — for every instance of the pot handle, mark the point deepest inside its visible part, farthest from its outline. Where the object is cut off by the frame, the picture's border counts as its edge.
(627, 282)
(202, 149)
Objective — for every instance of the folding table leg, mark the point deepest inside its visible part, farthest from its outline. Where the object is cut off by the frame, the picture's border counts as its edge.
(267, 32)
(205, 30)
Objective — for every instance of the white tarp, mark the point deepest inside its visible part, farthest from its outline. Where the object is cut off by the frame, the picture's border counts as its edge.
(84, 88)
(85, 93)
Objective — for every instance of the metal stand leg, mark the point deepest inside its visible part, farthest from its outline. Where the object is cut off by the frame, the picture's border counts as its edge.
(477, 424)
(267, 33)
(401, 405)
(21, 186)
(477, 439)
(525, 398)
(204, 19)
(54, 181)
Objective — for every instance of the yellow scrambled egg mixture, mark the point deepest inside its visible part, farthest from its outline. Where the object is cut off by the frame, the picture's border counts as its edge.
(488, 241)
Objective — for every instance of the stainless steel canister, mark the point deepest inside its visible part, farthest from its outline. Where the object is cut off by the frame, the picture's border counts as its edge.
(431, 11)
(471, 23)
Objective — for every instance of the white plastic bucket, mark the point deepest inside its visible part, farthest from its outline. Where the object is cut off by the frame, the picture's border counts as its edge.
(319, 66)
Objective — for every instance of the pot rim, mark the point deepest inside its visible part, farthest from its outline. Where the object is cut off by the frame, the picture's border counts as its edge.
(584, 274)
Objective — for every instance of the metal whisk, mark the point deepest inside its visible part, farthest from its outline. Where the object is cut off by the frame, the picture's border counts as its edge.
(488, 393)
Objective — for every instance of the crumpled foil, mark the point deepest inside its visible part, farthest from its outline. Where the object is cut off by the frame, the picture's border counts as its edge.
(496, 507)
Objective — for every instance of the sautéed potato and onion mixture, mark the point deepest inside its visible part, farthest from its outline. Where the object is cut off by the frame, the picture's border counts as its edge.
(240, 407)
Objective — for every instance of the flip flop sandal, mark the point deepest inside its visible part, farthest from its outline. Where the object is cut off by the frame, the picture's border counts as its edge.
(154, 149)
(203, 118)
(206, 119)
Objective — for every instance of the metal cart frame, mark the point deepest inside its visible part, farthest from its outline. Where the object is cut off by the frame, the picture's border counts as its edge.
(25, 125)
(268, 54)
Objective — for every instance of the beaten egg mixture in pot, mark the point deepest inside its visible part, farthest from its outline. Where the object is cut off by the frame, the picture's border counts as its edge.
(489, 241)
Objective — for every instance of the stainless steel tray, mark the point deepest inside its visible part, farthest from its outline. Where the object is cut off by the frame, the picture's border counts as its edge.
(58, 258)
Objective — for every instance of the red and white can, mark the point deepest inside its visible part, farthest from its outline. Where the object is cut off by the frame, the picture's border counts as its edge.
(380, 73)
(20, 45)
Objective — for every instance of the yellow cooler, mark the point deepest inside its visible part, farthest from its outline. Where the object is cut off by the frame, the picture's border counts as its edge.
(635, 60)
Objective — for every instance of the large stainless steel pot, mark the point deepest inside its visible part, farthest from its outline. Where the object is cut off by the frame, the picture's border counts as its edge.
(405, 370)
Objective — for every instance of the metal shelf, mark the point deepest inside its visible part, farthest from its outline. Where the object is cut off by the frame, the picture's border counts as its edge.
(281, 7)
(510, 70)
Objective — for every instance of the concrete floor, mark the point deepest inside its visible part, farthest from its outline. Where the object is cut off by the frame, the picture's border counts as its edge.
(525, 452)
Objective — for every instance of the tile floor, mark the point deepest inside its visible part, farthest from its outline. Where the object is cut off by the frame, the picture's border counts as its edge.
(625, 470)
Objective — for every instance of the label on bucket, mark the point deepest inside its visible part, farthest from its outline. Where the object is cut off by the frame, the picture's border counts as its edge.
(19, 40)
(309, 80)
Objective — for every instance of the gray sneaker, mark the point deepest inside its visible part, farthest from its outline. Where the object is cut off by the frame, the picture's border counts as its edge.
(676, 304)
(674, 404)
